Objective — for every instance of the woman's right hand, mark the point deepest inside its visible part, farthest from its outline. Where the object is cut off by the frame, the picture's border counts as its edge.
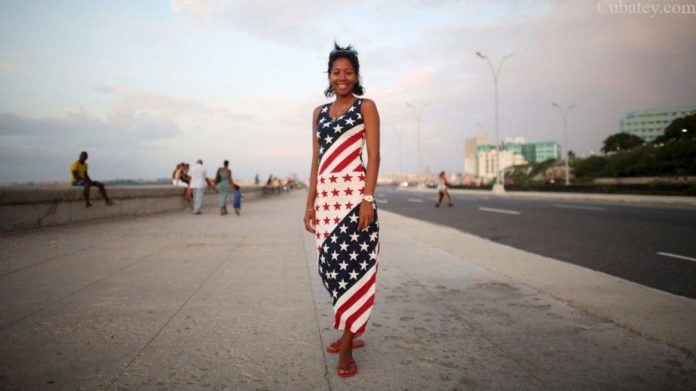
(309, 217)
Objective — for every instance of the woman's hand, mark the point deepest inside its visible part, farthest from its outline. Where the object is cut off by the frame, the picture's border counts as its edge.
(367, 215)
(309, 217)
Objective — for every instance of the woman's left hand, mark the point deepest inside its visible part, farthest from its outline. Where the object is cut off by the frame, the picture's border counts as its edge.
(367, 215)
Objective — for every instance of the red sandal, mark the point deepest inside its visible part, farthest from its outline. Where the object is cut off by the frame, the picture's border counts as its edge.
(345, 368)
(336, 346)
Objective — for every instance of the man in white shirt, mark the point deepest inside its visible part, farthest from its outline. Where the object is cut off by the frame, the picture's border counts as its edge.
(199, 181)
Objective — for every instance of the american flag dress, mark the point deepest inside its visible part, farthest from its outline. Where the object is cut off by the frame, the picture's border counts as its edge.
(347, 259)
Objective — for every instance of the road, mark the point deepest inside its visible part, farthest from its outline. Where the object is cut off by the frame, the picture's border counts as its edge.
(652, 246)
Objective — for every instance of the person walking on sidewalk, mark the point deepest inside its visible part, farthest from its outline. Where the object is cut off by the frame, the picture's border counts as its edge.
(78, 171)
(199, 181)
(341, 209)
(442, 186)
(224, 182)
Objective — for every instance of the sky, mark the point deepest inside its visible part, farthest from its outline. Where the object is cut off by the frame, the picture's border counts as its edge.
(142, 85)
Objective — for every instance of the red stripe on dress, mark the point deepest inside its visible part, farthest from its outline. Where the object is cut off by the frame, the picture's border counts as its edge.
(353, 299)
(347, 143)
(358, 313)
(359, 168)
(348, 160)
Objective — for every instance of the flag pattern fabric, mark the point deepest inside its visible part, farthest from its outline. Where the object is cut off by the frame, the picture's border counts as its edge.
(347, 259)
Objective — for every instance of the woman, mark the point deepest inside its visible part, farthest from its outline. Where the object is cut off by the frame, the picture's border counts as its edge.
(224, 184)
(341, 206)
(442, 186)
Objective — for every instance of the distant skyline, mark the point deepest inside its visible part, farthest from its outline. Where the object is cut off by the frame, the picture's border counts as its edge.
(142, 85)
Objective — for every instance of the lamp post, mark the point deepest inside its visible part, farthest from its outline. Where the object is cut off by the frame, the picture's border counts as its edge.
(419, 113)
(499, 186)
(564, 116)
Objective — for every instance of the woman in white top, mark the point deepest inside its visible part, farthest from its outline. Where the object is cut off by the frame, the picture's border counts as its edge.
(442, 186)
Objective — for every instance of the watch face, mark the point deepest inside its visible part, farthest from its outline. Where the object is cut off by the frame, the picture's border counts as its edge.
(369, 198)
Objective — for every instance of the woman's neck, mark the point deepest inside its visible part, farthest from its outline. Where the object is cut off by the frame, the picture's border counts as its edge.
(344, 99)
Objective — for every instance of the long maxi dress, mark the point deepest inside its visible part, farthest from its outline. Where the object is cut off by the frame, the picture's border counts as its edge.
(347, 259)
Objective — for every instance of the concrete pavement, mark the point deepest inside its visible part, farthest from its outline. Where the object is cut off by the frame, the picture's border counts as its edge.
(178, 301)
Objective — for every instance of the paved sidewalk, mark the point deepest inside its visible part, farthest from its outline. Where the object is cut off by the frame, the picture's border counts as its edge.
(208, 302)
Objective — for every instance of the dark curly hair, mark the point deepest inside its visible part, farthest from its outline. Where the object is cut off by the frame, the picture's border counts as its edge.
(349, 53)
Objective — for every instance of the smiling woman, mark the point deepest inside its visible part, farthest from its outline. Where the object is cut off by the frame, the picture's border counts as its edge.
(341, 210)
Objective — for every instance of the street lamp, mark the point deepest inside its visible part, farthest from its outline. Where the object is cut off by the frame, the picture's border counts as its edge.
(564, 116)
(499, 186)
(419, 112)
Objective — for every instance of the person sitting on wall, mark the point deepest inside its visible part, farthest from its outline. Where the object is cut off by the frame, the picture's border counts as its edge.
(78, 170)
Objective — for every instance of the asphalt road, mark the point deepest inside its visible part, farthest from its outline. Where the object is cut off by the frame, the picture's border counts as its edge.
(652, 246)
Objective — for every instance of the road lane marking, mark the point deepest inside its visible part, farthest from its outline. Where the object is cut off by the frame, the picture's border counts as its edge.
(569, 206)
(676, 256)
(382, 201)
(415, 200)
(509, 212)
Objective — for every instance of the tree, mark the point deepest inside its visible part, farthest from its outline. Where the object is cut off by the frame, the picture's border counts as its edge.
(680, 128)
(621, 142)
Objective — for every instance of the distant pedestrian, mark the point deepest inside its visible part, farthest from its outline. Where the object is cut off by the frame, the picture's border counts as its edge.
(224, 182)
(257, 181)
(442, 186)
(237, 199)
(80, 177)
(199, 182)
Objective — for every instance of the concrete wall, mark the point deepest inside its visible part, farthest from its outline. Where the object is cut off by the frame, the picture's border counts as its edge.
(34, 207)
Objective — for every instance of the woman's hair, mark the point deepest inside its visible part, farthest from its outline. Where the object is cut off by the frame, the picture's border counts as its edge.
(442, 173)
(225, 163)
(348, 53)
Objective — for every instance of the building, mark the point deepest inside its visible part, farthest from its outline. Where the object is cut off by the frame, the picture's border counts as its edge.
(487, 161)
(541, 151)
(470, 151)
(649, 124)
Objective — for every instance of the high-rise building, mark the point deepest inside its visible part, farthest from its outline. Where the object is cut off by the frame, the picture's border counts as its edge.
(470, 150)
(649, 124)
(487, 161)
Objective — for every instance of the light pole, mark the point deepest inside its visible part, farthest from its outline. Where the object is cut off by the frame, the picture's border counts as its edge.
(499, 186)
(419, 112)
(564, 116)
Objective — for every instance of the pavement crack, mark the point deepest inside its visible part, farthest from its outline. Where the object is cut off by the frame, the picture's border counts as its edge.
(43, 307)
(316, 318)
(149, 342)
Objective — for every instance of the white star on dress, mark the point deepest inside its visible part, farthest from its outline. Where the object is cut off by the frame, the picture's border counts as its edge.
(353, 218)
(334, 293)
(350, 121)
(353, 275)
(333, 275)
(343, 265)
(326, 125)
(363, 246)
(373, 236)
(344, 246)
(373, 256)
(334, 255)
(328, 139)
(337, 128)
(342, 284)
(363, 265)
(321, 149)
(334, 238)
(324, 109)
(343, 228)
(353, 256)
(353, 237)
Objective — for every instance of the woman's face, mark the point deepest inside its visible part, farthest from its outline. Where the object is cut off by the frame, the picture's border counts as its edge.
(343, 77)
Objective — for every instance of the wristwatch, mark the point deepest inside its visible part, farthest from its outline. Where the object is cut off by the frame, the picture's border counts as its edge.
(369, 199)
